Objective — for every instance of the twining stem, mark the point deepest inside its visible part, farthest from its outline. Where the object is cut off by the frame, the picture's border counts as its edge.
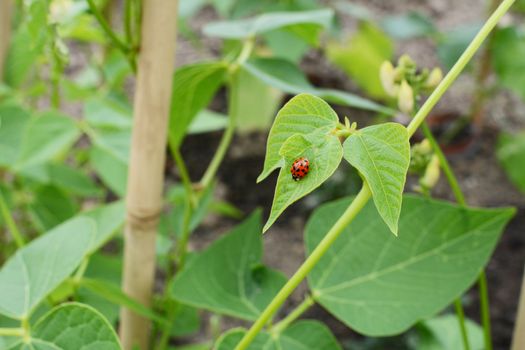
(11, 225)
(462, 325)
(11, 332)
(233, 111)
(364, 194)
(292, 316)
(485, 310)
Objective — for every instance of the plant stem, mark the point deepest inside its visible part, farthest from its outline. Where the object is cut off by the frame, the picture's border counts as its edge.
(184, 174)
(233, 101)
(127, 20)
(355, 207)
(364, 195)
(295, 314)
(518, 336)
(451, 178)
(461, 322)
(11, 332)
(10, 223)
(459, 65)
(485, 310)
(6, 11)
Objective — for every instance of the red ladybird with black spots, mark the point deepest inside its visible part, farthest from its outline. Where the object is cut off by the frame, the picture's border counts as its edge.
(300, 168)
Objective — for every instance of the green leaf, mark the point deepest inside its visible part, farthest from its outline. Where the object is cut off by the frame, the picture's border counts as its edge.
(111, 168)
(442, 333)
(511, 154)
(45, 137)
(287, 77)
(187, 320)
(361, 57)
(14, 122)
(108, 219)
(324, 153)
(305, 334)
(115, 295)
(408, 25)
(38, 268)
(51, 206)
(507, 43)
(72, 180)
(108, 112)
(379, 284)
(304, 114)
(228, 277)
(208, 121)
(245, 28)
(381, 153)
(194, 86)
(73, 326)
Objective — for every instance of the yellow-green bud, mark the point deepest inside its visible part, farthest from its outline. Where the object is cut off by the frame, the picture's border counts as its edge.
(406, 62)
(387, 74)
(431, 177)
(405, 98)
(434, 78)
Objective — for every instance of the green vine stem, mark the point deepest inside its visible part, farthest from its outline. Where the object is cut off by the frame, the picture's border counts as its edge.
(364, 194)
(11, 332)
(461, 322)
(292, 316)
(10, 223)
(485, 310)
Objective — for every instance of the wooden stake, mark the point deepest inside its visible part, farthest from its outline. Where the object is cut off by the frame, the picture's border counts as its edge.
(146, 168)
(518, 339)
(6, 8)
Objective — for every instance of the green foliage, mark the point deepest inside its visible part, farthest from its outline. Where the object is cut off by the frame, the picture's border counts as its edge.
(361, 57)
(442, 333)
(451, 44)
(13, 123)
(193, 87)
(286, 76)
(508, 44)
(381, 285)
(301, 335)
(51, 206)
(71, 326)
(228, 277)
(381, 153)
(306, 24)
(408, 25)
(511, 154)
(38, 268)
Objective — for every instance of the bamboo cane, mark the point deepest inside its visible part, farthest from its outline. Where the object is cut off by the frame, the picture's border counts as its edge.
(518, 339)
(6, 8)
(146, 168)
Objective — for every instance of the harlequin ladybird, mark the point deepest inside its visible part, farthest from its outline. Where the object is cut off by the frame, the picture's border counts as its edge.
(300, 168)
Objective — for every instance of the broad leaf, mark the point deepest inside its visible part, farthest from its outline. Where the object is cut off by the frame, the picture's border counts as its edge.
(72, 180)
(301, 335)
(108, 219)
(45, 137)
(286, 76)
(507, 44)
(361, 57)
(229, 277)
(108, 112)
(511, 154)
(245, 28)
(304, 114)
(193, 87)
(51, 206)
(381, 285)
(381, 153)
(14, 122)
(443, 333)
(324, 153)
(207, 121)
(72, 326)
(38, 268)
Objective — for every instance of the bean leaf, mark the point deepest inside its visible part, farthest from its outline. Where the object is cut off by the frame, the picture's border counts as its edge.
(381, 285)
(381, 153)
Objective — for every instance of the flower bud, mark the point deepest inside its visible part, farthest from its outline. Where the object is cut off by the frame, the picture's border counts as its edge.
(387, 74)
(434, 78)
(405, 98)
(406, 62)
(431, 177)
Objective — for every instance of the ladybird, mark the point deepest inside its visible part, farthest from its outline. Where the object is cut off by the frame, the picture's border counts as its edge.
(300, 168)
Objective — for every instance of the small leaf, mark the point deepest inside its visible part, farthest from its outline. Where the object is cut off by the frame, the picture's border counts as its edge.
(511, 154)
(324, 153)
(245, 28)
(51, 207)
(73, 326)
(228, 277)
(287, 77)
(112, 170)
(108, 112)
(207, 121)
(443, 333)
(108, 219)
(45, 137)
(304, 115)
(304, 334)
(193, 87)
(14, 123)
(381, 153)
(381, 285)
(72, 180)
(38, 268)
